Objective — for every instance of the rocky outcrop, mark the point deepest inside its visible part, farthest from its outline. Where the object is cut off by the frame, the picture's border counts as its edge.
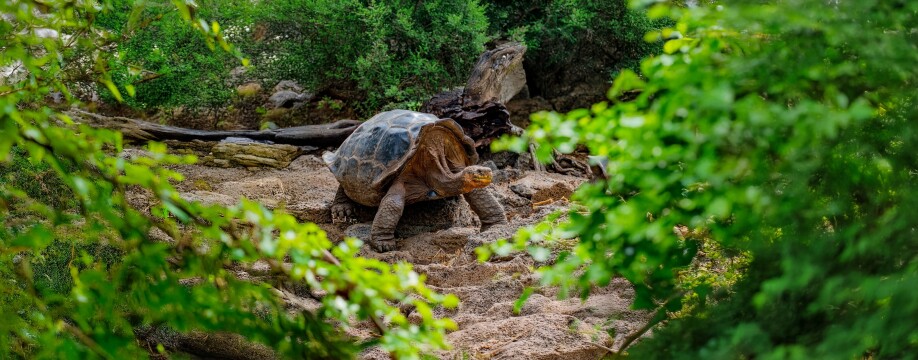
(251, 154)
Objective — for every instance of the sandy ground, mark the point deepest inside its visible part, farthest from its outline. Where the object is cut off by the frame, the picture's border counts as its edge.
(439, 239)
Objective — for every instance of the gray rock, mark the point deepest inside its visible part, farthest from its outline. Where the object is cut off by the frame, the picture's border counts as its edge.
(539, 186)
(288, 85)
(284, 99)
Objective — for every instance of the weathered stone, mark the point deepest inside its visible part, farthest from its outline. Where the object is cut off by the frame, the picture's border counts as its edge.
(286, 99)
(254, 154)
(289, 85)
(209, 198)
(540, 336)
(538, 186)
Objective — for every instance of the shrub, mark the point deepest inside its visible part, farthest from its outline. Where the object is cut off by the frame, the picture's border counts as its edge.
(164, 60)
(368, 53)
(785, 130)
(393, 51)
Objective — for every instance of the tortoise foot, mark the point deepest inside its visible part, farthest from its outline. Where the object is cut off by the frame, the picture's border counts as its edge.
(343, 213)
(383, 245)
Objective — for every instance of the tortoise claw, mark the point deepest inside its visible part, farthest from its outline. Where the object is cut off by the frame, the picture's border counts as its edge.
(383, 245)
(343, 213)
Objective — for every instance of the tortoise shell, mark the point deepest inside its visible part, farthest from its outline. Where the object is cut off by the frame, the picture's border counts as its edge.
(370, 159)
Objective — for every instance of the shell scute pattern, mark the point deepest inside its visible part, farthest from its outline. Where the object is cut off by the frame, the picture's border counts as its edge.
(376, 145)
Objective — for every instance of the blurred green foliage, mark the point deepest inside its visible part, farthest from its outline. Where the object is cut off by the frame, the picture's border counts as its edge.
(163, 59)
(36, 179)
(79, 268)
(784, 131)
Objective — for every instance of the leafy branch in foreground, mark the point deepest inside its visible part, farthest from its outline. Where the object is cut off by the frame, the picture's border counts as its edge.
(782, 130)
(181, 281)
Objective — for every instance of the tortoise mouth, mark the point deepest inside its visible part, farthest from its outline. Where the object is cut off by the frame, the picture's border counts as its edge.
(476, 180)
(481, 179)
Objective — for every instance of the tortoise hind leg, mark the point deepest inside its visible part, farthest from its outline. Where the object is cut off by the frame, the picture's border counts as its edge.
(485, 205)
(343, 209)
(382, 236)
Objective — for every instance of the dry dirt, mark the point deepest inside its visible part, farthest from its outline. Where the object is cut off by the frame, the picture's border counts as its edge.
(546, 328)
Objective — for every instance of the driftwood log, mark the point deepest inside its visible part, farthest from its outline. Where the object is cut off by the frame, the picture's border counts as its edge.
(332, 134)
(479, 107)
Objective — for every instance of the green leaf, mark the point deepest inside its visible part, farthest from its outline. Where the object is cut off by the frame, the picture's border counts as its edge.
(521, 301)
(625, 81)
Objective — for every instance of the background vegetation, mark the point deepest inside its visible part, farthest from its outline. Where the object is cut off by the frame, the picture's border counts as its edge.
(370, 55)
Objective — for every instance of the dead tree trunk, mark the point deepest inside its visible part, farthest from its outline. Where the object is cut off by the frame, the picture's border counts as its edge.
(310, 135)
(479, 107)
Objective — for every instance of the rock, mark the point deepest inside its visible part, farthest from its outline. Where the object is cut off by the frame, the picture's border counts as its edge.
(312, 211)
(522, 109)
(540, 186)
(210, 198)
(248, 89)
(247, 153)
(288, 85)
(501, 159)
(525, 162)
(287, 99)
(236, 75)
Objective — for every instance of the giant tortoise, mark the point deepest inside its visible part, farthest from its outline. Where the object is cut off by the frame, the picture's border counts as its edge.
(401, 157)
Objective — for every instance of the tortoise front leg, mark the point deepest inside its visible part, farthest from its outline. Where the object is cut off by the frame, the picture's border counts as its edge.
(486, 206)
(382, 236)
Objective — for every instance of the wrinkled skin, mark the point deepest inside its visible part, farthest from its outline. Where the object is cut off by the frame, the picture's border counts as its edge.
(471, 182)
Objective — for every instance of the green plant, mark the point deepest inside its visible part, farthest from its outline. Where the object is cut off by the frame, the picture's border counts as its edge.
(160, 59)
(783, 130)
(390, 51)
(122, 278)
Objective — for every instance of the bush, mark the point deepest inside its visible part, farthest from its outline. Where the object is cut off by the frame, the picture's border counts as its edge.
(369, 53)
(789, 138)
(164, 60)
(392, 51)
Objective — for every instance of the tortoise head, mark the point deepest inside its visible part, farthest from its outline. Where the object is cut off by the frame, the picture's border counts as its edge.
(475, 177)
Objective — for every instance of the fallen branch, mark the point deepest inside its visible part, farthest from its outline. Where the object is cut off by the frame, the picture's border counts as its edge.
(332, 134)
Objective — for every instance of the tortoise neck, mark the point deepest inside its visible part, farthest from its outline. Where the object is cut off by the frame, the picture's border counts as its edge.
(448, 183)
